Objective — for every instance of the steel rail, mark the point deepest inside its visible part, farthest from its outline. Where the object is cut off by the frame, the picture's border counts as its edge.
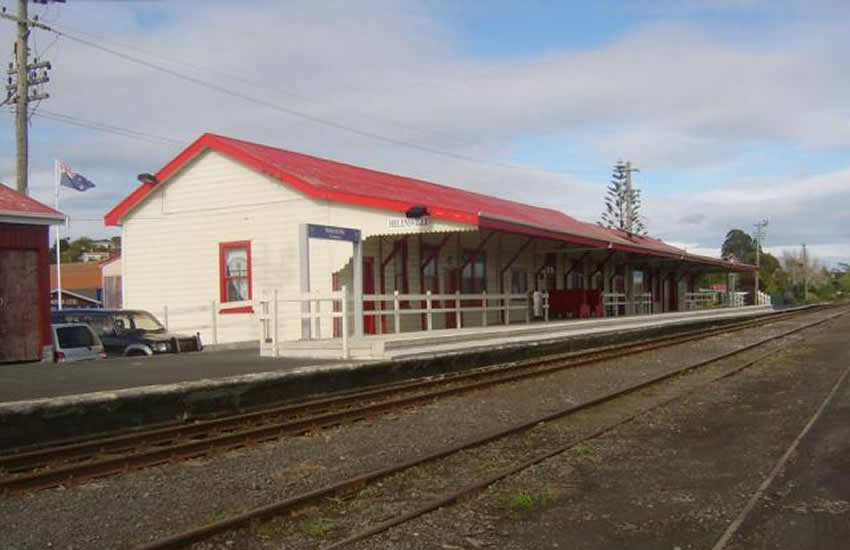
(355, 484)
(82, 449)
(164, 445)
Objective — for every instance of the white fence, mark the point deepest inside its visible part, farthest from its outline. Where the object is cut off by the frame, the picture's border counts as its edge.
(701, 300)
(312, 314)
(324, 315)
(207, 320)
(451, 305)
(616, 304)
(318, 309)
(708, 299)
(762, 298)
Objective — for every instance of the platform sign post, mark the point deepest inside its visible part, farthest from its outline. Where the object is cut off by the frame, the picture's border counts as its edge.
(309, 231)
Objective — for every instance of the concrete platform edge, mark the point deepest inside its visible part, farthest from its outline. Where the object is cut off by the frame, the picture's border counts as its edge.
(34, 422)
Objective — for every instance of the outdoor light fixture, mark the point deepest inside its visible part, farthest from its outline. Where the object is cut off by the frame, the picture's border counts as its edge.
(417, 211)
(147, 178)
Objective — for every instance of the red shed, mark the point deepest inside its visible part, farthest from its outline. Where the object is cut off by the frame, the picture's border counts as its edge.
(24, 276)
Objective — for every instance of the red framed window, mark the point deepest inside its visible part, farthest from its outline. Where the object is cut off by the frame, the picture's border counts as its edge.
(234, 271)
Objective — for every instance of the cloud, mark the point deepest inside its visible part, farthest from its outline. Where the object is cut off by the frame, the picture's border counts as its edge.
(672, 94)
(694, 219)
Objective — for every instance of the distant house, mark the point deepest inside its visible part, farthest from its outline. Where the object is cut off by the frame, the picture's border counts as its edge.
(81, 278)
(105, 244)
(24, 276)
(71, 299)
(111, 276)
(95, 255)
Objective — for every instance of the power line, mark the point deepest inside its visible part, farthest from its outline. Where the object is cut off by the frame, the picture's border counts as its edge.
(107, 128)
(242, 79)
(296, 113)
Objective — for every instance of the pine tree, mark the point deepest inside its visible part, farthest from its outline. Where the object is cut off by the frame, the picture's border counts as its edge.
(622, 205)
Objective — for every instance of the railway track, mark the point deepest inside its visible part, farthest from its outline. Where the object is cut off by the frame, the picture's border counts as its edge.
(337, 494)
(79, 462)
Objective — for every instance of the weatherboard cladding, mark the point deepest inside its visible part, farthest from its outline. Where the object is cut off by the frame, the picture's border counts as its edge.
(200, 207)
(344, 183)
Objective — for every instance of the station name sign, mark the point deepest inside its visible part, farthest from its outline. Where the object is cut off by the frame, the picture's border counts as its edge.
(397, 223)
(331, 233)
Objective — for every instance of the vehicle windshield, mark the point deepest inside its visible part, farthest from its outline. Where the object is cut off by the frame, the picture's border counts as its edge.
(145, 322)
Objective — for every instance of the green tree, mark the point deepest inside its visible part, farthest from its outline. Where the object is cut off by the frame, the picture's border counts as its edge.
(622, 204)
(739, 244)
(844, 283)
(72, 250)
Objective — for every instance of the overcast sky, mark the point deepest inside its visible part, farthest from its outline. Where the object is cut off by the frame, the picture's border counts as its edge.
(733, 110)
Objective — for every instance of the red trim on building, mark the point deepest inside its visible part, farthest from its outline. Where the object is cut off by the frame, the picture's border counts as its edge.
(324, 179)
(222, 277)
(229, 310)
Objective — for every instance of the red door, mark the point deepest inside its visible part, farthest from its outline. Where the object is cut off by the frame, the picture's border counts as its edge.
(429, 280)
(368, 288)
(20, 321)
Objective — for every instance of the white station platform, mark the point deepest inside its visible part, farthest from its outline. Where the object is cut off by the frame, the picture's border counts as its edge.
(425, 344)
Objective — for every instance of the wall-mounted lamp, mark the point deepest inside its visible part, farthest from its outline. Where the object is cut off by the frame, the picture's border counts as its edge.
(147, 178)
(417, 211)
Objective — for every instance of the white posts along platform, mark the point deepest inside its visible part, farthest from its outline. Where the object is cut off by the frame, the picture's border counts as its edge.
(427, 343)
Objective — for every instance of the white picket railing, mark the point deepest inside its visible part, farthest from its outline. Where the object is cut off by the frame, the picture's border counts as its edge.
(700, 300)
(762, 298)
(613, 302)
(312, 308)
(268, 315)
(448, 304)
(185, 319)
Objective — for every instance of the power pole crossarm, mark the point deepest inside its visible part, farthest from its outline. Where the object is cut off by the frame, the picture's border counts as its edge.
(23, 82)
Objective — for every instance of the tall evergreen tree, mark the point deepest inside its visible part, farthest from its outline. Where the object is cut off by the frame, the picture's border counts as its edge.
(739, 244)
(622, 204)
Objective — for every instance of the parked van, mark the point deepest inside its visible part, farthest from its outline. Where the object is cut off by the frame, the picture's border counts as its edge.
(75, 342)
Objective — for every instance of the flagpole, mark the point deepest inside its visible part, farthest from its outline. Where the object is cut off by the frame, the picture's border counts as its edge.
(58, 240)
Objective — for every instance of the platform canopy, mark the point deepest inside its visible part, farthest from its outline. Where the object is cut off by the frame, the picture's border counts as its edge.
(344, 183)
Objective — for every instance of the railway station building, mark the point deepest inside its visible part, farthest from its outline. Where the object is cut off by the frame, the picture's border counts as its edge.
(230, 233)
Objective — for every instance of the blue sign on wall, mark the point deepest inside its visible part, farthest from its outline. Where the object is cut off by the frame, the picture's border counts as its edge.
(333, 233)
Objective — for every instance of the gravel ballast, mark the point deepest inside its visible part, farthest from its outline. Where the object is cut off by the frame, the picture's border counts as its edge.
(124, 511)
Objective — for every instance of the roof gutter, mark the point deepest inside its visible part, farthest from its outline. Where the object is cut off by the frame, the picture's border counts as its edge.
(626, 247)
(31, 218)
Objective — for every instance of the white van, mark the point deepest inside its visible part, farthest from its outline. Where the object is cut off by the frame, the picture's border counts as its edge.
(75, 342)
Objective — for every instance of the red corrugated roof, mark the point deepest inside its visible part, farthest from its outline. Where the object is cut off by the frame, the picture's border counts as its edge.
(335, 181)
(12, 202)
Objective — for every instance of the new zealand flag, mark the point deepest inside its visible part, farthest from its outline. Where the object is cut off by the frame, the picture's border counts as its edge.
(69, 178)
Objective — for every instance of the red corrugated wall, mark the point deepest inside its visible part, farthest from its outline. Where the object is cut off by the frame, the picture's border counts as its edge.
(33, 237)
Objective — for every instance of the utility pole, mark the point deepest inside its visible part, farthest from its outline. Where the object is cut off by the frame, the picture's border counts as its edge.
(21, 112)
(759, 236)
(23, 75)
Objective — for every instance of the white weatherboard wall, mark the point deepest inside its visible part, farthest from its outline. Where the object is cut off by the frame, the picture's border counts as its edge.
(171, 242)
